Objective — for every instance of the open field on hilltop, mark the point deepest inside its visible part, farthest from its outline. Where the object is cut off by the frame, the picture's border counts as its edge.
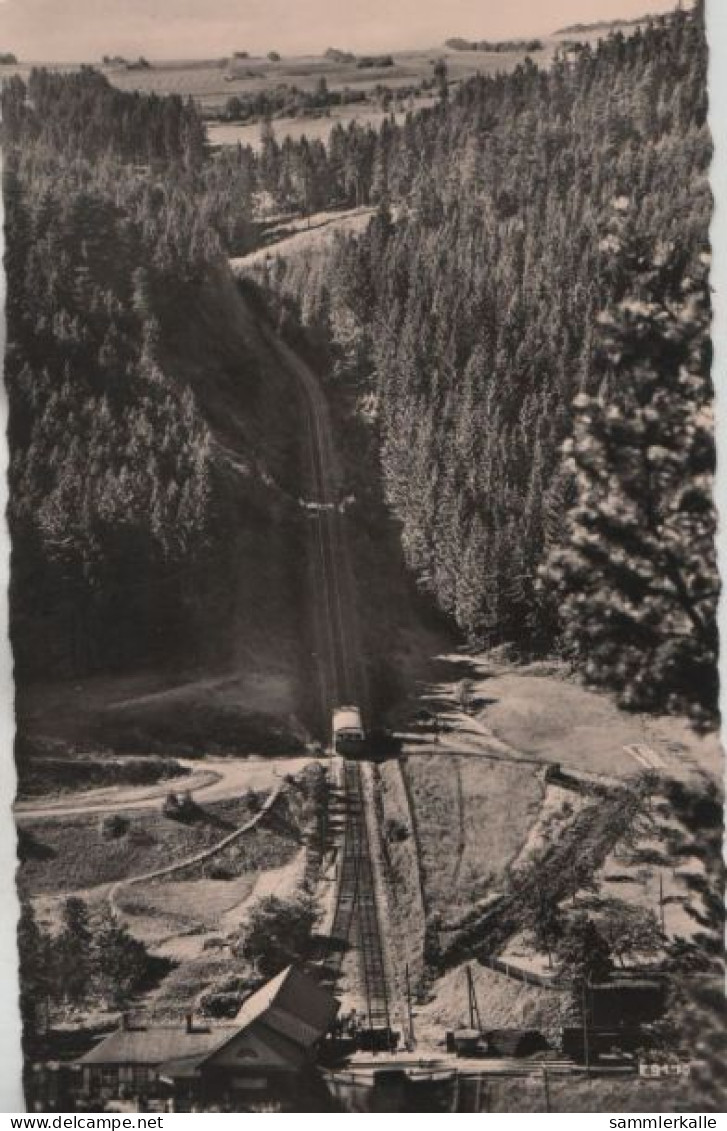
(472, 816)
(72, 854)
(205, 80)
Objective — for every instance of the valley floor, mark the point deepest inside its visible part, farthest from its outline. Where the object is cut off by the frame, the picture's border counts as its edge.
(468, 802)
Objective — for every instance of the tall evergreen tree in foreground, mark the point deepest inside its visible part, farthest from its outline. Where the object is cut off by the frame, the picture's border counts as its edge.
(636, 577)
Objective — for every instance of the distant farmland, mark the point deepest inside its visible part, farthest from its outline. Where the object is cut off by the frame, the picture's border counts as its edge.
(319, 128)
(213, 82)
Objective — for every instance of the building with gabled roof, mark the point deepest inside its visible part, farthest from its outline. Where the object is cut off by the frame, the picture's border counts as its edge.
(262, 1054)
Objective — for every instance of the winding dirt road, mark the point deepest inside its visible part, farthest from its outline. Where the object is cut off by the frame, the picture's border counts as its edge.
(217, 779)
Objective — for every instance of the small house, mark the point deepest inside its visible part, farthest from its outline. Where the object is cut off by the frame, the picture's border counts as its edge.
(266, 1053)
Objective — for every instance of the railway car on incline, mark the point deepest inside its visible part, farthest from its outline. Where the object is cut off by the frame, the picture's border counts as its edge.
(349, 737)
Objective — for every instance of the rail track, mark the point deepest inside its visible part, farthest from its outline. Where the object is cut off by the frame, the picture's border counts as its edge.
(342, 675)
(356, 918)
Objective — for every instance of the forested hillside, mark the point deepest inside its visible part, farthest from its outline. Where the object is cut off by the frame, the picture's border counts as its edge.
(466, 329)
(149, 448)
(524, 209)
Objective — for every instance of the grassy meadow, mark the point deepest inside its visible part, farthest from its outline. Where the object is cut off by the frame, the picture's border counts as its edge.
(472, 817)
(73, 854)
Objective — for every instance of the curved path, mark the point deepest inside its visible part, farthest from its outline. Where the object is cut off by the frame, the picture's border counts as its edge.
(216, 779)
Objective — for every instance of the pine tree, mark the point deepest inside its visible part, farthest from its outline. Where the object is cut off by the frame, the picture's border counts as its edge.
(121, 961)
(73, 951)
(35, 974)
(636, 579)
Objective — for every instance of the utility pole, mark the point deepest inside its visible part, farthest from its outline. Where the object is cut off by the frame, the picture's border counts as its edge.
(546, 1088)
(408, 1005)
(662, 914)
(586, 1049)
(475, 1019)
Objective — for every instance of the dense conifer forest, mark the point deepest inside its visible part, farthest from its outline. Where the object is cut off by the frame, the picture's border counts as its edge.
(513, 219)
(121, 495)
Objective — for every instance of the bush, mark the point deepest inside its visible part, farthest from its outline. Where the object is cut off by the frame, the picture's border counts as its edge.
(396, 830)
(217, 870)
(113, 827)
(369, 61)
(180, 807)
(220, 1005)
(215, 942)
(277, 933)
(254, 801)
(225, 997)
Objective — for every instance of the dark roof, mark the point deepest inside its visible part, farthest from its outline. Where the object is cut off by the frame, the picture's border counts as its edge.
(183, 1068)
(292, 1005)
(156, 1044)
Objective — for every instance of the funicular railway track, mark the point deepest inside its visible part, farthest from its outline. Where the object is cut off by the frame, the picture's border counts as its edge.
(356, 918)
(342, 674)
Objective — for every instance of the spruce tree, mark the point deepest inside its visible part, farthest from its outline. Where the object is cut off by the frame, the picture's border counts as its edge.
(636, 578)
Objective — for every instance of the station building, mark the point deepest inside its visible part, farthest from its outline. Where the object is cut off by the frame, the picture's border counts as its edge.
(267, 1053)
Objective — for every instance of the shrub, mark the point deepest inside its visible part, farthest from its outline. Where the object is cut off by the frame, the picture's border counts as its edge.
(224, 998)
(277, 933)
(113, 827)
(220, 1005)
(180, 807)
(217, 870)
(396, 830)
(369, 61)
(215, 942)
(254, 802)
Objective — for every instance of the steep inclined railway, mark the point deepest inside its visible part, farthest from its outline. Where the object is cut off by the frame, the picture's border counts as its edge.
(356, 918)
(342, 678)
(342, 672)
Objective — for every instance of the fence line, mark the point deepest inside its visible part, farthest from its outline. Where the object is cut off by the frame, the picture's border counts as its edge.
(517, 973)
